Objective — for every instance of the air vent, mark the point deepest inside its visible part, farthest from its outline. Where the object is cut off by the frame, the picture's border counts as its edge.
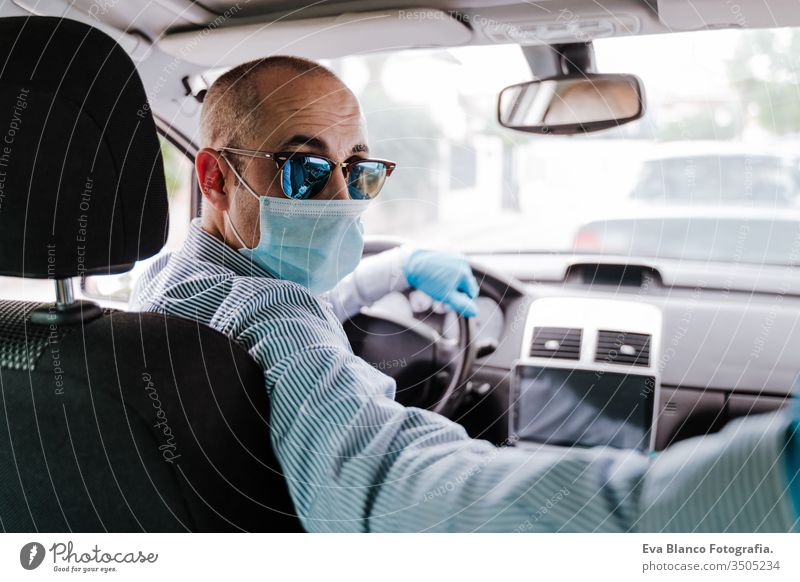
(620, 347)
(556, 342)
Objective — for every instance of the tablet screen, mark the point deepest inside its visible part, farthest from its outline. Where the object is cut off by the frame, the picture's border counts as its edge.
(569, 407)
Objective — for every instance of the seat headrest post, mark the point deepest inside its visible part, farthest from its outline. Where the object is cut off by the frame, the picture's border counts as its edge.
(64, 293)
(65, 310)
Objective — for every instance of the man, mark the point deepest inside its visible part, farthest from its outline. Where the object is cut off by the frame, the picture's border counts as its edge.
(285, 174)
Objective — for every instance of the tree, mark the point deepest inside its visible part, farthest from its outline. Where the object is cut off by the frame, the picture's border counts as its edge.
(764, 72)
(406, 135)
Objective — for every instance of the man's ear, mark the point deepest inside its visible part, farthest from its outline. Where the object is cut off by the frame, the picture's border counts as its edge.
(211, 174)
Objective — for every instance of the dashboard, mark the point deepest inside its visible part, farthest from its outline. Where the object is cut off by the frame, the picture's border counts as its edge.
(718, 353)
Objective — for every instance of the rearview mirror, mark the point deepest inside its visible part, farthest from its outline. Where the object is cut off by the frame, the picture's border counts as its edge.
(571, 104)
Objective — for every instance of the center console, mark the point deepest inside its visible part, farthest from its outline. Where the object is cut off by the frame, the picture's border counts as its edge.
(587, 374)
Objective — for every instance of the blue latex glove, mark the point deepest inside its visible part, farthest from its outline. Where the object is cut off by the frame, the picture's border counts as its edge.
(444, 277)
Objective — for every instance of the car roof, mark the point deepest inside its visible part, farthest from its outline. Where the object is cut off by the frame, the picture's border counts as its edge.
(650, 211)
(174, 42)
(703, 148)
(188, 30)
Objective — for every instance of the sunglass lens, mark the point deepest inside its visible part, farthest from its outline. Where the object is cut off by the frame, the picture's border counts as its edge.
(365, 179)
(305, 176)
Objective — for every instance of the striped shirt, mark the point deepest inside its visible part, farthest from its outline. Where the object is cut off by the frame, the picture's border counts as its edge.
(356, 460)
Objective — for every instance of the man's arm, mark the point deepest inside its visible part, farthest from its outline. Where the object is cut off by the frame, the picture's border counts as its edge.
(355, 460)
(375, 277)
(445, 277)
(793, 449)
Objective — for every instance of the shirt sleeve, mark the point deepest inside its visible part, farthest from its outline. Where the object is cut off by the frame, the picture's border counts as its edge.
(356, 460)
(793, 450)
(375, 277)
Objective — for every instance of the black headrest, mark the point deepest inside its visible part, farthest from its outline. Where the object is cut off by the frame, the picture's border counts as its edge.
(82, 188)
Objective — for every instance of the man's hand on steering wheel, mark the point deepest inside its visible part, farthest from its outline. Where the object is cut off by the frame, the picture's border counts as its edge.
(445, 277)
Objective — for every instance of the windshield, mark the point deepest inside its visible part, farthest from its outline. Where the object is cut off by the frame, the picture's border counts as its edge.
(715, 155)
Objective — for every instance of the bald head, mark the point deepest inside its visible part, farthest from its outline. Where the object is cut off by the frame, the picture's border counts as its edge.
(236, 103)
(274, 105)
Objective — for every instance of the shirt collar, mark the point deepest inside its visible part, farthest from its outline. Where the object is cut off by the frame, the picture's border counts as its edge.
(202, 245)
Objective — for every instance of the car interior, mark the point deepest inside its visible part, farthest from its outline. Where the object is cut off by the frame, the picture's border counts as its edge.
(624, 179)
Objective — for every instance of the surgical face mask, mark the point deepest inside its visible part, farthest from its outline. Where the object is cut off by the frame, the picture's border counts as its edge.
(315, 243)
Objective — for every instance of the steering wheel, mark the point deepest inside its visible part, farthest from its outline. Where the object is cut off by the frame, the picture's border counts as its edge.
(430, 370)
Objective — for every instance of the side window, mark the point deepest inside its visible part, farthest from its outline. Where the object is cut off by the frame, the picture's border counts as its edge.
(114, 290)
(179, 173)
